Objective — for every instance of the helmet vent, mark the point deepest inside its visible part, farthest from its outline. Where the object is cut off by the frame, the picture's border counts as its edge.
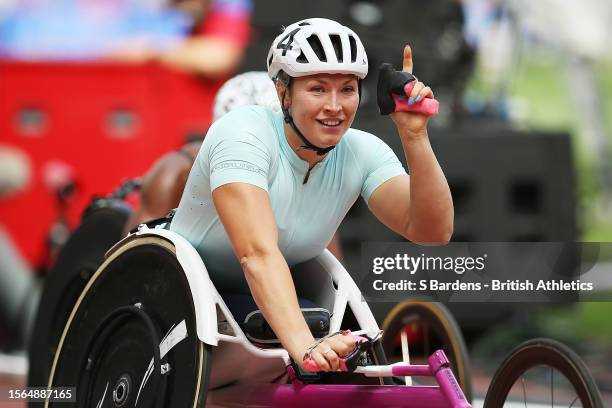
(317, 47)
(337, 43)
(304, 23)
(353, 44)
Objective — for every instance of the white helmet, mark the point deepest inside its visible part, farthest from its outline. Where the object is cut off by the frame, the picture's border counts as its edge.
(250, 88)
(317, 46)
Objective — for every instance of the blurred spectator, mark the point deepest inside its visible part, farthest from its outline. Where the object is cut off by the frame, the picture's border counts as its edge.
(200, 36)
(578, 36)
(581, 36)
(490, 30)
(16, 280)
(215, 47)
(14, 170)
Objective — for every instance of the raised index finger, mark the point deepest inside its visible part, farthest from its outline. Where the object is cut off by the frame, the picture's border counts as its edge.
(407, 59)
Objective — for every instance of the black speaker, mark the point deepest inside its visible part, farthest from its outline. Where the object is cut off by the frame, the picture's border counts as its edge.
(509, 185)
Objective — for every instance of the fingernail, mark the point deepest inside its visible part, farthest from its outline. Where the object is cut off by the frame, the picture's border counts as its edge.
(418, 98)
(410, 100)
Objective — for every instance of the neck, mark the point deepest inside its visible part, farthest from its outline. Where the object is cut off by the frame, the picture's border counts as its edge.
(295, 143)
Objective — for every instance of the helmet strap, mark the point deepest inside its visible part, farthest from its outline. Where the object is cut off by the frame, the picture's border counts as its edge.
(321, 151)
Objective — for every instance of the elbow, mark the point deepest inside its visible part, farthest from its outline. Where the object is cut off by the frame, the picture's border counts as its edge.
(254, 261)
(227, 60)
(445, 237)
(436, 236)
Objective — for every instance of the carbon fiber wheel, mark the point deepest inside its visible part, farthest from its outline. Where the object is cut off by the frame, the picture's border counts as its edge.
(131, 337)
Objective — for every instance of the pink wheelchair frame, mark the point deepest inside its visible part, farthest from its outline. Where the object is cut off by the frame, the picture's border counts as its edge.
(447, 394)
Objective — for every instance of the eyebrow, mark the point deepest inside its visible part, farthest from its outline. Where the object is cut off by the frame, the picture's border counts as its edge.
(324, 81)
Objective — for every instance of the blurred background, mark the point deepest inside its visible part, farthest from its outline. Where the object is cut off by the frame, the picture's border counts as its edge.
(93, 92)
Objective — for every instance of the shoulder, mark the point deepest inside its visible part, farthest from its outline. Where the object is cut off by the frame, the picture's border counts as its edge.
(243, 134)
(190, 149)
(245, 118)
(245, 123)
(170, 163)
(362, 143)
(369, 153)
(168, 171)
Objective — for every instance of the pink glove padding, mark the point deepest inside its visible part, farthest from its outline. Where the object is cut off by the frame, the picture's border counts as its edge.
(426, 106)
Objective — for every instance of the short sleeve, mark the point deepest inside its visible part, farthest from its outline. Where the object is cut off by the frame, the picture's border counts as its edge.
(379, 164)
(240, 149)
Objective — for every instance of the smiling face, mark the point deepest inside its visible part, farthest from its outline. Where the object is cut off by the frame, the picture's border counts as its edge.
(323, 106)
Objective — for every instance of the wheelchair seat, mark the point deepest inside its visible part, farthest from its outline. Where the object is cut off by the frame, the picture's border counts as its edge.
(257, 330)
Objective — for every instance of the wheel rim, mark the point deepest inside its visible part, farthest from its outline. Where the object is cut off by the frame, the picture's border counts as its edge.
(433, 328)
(544, 372)
(113, 352)
(546, 386)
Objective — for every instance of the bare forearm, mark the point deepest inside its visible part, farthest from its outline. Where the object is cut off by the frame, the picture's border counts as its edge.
(206, 56)
(273, 290)
(431, 209)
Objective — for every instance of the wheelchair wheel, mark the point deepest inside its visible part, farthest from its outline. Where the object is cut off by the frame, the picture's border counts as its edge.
(543, 371)
(78, 260)
(131, 337)
(429, 326)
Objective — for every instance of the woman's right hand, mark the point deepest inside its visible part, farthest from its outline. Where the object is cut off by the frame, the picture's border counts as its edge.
(328, 353)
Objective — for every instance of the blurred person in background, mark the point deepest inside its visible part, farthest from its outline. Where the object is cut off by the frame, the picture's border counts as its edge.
(201, 41)
(16, 278)
(207, 37)
(504, 32)
(215, 46)
(581, 37)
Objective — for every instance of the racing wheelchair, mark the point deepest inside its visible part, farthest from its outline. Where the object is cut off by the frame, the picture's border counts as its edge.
(143, 330)
(151, 329)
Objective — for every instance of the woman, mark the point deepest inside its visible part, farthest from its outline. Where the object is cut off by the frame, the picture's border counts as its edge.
(268, 190)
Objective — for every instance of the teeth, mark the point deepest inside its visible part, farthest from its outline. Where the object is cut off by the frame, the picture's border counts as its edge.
(331, 122)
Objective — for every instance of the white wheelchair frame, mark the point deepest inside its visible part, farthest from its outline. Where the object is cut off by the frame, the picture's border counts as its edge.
(328, 283)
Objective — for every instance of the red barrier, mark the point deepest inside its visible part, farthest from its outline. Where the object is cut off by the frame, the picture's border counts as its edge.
(106, 122)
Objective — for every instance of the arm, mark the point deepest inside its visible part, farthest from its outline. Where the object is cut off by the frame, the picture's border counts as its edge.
(208, 56)
(334, 246)
(419, 207)
(214, 49)
(218, 40)
(247, 216)
(161, 189)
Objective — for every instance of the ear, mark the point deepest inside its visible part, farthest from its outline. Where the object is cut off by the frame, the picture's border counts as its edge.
(284, 96)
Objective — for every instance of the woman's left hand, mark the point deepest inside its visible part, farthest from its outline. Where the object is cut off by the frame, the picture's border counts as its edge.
(412, 122)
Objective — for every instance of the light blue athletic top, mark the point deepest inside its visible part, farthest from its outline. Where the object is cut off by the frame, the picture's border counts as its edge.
(248, 145)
